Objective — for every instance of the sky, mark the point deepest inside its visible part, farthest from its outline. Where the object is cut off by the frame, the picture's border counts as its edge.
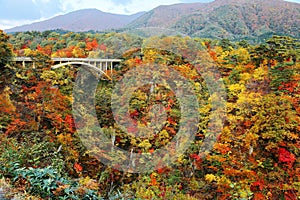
(19, 12)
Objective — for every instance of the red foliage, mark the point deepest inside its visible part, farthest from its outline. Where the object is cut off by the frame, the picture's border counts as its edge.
(286, 157)
(171, 121)
(16, 124)
(138, 61)
(213, 55)
(290, 86)
(92, 45)
(290, 195)
(78, 167)
(153, 180)
(24, 46)
(259, 196)
(195, 156)
(70, 122)
(151, 150)
(39, 48)
(257, 186)
(163, 170)
(134, 114)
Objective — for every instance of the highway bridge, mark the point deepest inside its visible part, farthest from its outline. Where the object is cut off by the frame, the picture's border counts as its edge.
(101, 66)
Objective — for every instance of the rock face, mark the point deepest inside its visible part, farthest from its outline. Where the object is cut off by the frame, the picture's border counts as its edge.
(2, 194)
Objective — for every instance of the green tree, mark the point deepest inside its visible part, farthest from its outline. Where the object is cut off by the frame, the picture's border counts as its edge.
(280, 47)
(5, 49)
(5, 57)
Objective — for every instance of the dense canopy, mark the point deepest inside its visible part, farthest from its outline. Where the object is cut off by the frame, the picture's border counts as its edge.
(255, 154)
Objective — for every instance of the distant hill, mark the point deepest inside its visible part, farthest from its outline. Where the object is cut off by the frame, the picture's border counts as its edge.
(81, 20)
(232, 19)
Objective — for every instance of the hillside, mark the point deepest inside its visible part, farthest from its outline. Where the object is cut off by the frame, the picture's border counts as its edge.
(233, 19)
(81, 20)
(227, 125)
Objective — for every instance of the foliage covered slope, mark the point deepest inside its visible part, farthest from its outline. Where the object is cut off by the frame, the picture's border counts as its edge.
(230, 19)
(255, 156)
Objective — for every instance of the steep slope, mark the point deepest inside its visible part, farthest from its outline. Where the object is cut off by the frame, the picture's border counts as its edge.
(225, 18)
(81, 20)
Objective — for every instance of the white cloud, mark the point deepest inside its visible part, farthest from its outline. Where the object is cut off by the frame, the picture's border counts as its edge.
(296, 1)
(6, 24)
(40, 1)
(131, 7)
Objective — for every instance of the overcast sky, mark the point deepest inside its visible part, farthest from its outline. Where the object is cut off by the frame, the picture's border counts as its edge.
(19, 12)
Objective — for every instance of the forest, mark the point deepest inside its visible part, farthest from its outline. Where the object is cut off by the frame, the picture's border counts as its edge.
(245, 144)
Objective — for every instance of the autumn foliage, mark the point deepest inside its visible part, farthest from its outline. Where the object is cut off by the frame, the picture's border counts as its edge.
(255, 156)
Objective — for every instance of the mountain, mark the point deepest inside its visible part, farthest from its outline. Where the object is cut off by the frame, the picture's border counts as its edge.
(232, 19)
(81, 20)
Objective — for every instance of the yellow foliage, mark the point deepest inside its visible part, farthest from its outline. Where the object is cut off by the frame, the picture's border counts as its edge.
(245, 77)
(145, 144)
(242, 54)
(249, 101)
(48, 75)
(236, 89)
(250, 139)
(223, 181)
(89, 183)
(150, 55)
(260, 74)
(210, 178)
(221, 54)
(194, 184)
(182, 160)
(27, 52)
(5, 102)
(64, 138)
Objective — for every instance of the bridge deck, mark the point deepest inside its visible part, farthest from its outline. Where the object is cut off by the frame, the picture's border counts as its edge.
(98, 65)
(28, 59)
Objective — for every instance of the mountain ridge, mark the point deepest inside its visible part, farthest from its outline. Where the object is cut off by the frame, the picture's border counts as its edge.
(226, 18)
(80, 20)
(231, 19)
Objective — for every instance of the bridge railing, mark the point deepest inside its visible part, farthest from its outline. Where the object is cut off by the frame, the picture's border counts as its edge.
(28, 59)
(94, 63)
